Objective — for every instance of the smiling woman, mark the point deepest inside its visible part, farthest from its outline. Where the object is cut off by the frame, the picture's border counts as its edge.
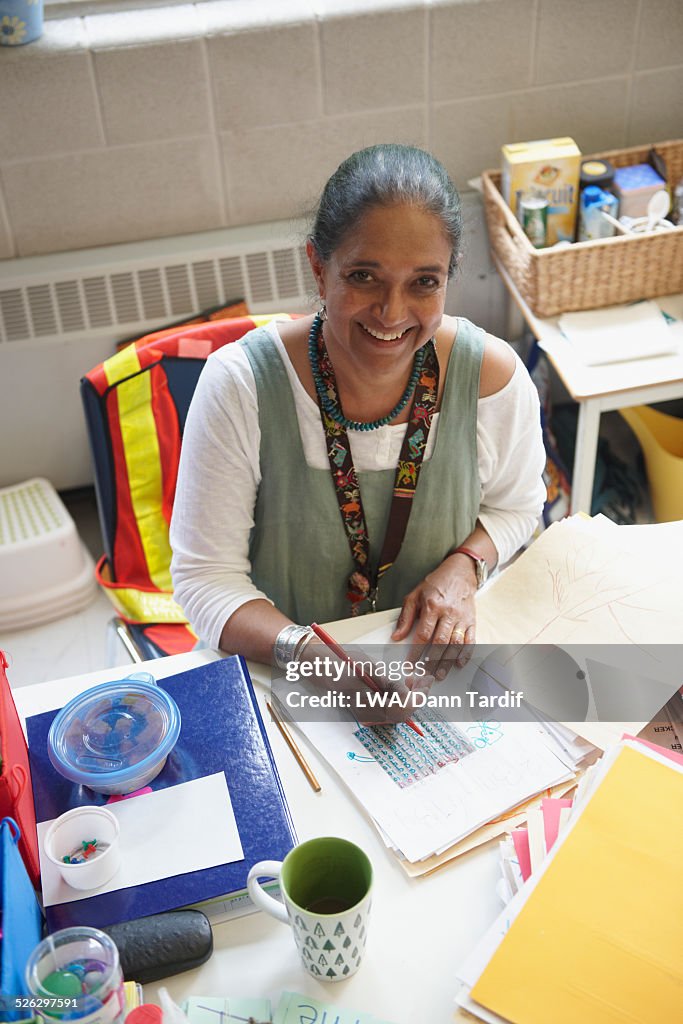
(379, 454)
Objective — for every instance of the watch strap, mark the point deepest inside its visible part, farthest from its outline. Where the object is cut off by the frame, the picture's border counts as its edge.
(479, 561)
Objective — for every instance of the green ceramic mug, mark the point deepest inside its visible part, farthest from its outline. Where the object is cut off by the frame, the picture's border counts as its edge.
(326, 886)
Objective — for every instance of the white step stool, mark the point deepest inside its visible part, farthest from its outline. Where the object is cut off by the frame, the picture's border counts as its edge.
(45, 570)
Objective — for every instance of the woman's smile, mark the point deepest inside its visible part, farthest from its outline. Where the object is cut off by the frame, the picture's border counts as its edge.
(385, 335)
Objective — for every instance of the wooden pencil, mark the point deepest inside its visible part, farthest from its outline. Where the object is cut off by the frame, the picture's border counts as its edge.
(294, 747)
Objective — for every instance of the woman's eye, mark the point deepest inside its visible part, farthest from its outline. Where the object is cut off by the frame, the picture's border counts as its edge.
(360, 275)
(427, 282)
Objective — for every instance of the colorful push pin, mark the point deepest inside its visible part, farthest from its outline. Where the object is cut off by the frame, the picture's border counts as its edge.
(88, 848)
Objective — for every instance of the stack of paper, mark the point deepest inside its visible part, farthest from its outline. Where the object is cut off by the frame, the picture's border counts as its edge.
(595, 934)
(582, 583)
(470, 777)
(589, 581)
(427, 794)
(525, 849)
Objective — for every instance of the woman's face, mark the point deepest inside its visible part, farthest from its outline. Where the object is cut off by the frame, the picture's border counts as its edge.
(384, 286)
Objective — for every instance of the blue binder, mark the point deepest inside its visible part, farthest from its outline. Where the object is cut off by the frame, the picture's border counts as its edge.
(21, 922)
(222, 730)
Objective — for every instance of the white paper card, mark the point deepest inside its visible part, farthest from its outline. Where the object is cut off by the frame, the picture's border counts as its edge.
(619, 333)
(188, 827)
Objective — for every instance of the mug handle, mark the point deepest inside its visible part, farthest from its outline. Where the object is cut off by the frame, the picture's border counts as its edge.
(259, 897)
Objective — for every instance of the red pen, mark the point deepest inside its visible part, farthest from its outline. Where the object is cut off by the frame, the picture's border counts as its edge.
(341, 653)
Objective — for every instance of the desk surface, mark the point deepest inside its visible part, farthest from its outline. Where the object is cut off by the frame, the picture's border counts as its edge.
(420, 929)
(604, 388)
(613, 379)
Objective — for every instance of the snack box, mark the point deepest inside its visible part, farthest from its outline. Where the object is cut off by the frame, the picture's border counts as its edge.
(548, 168)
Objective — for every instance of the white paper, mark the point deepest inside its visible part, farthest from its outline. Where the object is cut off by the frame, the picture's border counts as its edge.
(188, 827)
(581, 583)
(589, 381)
(619, 333)
(584, 582)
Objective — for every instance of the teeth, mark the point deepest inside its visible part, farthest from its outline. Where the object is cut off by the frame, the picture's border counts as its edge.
(384, 337)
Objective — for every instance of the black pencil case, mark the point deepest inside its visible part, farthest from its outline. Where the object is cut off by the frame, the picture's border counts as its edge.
(155, 947)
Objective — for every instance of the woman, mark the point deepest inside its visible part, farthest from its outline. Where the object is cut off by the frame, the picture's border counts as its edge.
(379, 454)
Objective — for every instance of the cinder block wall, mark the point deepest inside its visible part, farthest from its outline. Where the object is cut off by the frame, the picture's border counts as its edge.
(140, 124)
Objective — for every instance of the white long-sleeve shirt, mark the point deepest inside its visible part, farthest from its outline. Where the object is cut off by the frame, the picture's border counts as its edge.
(219, 476)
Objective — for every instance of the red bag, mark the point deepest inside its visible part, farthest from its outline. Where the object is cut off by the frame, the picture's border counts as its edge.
(16, 794)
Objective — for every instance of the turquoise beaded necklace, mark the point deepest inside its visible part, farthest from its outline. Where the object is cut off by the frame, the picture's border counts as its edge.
(325, 384)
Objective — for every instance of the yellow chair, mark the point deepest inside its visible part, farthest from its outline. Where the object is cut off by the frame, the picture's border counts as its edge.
(661, 438)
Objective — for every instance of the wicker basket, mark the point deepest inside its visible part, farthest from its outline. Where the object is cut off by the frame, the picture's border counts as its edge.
(587, 275)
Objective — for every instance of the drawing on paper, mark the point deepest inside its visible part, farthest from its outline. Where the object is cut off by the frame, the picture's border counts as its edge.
(405, 758)
(585, 584)
(485, 733)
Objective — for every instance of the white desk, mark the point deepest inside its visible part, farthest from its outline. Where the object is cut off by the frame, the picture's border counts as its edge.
(419, 931)
(599, 389)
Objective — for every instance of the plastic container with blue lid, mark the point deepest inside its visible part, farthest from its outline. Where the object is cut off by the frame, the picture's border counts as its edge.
(115, 737)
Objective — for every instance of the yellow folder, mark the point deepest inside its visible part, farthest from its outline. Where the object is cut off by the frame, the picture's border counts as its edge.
(600, 938)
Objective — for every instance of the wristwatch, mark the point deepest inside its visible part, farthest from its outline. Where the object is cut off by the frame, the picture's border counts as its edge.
(480, 564)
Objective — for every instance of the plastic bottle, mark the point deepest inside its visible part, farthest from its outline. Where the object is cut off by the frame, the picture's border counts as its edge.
(592, 225)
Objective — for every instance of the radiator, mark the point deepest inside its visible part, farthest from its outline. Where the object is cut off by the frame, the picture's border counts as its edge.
(61, 314)
(123, 289)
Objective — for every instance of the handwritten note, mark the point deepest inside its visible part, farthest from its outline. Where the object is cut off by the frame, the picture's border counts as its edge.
(211, 1010)
(295, 1008)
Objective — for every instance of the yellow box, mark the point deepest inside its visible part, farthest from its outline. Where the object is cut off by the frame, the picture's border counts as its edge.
(548, 168)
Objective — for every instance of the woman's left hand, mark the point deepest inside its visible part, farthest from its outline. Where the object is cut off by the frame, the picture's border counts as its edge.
(441, 609)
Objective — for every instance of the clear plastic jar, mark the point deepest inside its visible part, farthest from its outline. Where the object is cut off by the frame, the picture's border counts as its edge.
(75, 975)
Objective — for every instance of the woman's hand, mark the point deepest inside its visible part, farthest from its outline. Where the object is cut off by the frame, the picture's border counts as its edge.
(441, 613)
(372, 697)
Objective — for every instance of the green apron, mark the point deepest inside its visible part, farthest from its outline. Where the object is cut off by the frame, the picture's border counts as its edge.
(298, 548)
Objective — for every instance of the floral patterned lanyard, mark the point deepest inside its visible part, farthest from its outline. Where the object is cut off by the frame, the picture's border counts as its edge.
(363, 583)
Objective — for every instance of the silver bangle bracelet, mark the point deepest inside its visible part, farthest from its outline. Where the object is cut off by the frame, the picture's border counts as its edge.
(287, 643)
(303, 643)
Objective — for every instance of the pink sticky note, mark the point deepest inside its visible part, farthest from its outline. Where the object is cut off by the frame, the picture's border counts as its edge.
(551, 807)
(673, 755)
(520, 838)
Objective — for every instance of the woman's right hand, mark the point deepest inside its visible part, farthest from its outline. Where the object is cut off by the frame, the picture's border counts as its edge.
(386, 701)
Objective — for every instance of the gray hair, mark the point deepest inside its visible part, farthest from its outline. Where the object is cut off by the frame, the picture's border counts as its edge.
(385, 175)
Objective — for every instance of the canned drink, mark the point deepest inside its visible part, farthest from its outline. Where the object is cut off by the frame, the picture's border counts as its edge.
(533, 215)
